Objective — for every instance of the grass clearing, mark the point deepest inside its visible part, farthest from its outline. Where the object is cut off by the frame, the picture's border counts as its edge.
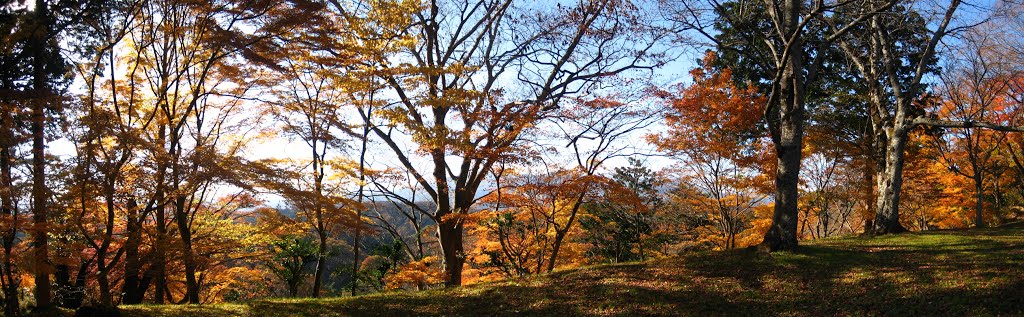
(952, 272)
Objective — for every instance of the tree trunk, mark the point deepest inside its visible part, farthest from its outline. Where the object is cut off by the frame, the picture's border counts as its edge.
(185, 232)
(979, 193)
(39, 211)
(293, 285)
(159, 257)
(102, 267)
(40, 244)
(102, 273)
(555, 247)
(782, 233)
(159, 262)
(359, 211)
(132, 291)
(11, 303)
(10, 280)
(321, 229)
(321, 262)
(71, 294)
(890, 182)
(561, 233)
(786, 122)
(449, 233)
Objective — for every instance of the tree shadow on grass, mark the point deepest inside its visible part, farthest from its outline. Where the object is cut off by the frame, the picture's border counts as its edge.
(966, 274)
(179, 311)
(958, 278)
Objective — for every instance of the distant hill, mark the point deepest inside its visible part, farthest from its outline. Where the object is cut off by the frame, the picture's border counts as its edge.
(940, 273)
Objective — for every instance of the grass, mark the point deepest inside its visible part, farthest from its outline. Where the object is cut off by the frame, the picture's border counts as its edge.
(969, 272)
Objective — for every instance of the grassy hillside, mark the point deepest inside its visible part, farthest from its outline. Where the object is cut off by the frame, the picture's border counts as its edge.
(974, 272)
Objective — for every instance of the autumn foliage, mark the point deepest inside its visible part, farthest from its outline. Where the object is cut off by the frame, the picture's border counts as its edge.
(192, 152)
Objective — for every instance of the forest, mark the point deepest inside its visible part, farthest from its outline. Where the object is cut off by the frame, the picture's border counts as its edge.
(171, 152)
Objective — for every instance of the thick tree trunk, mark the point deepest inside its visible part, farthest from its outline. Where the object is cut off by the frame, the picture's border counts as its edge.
(71, 294)
(133, 292)
(293, 286)
(782, 235)
(786, 120)
(890, 182)
(40, 243)
(102, 278)
(449, 233)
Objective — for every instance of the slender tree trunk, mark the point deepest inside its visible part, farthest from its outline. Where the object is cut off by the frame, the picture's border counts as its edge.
(131, 288)
(39, 210)
(185, 232)
(555, 247)
(321, 229)
(561, 234)
(359, 211)
(979, 193)
(159, 262)
(321, 262)
(10, 280)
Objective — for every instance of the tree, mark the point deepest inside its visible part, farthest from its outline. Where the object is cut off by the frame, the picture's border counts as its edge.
(158, 127)
(462, 115)
(829, 194)
(308, 109)
(975, 89)
(532, 217)
(291, 256)
(721, 170)
(772, 40)
(877, 52)
(617, 230)
(34, 78)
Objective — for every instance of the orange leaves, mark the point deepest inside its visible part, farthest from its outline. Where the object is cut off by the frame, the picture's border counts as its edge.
(526, 219)
(712, 114)
(713, 128)
(417, 274)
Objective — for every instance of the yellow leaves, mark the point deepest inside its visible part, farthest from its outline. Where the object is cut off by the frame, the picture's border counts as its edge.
(460, 217)
(424, 272)
(238, 283)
